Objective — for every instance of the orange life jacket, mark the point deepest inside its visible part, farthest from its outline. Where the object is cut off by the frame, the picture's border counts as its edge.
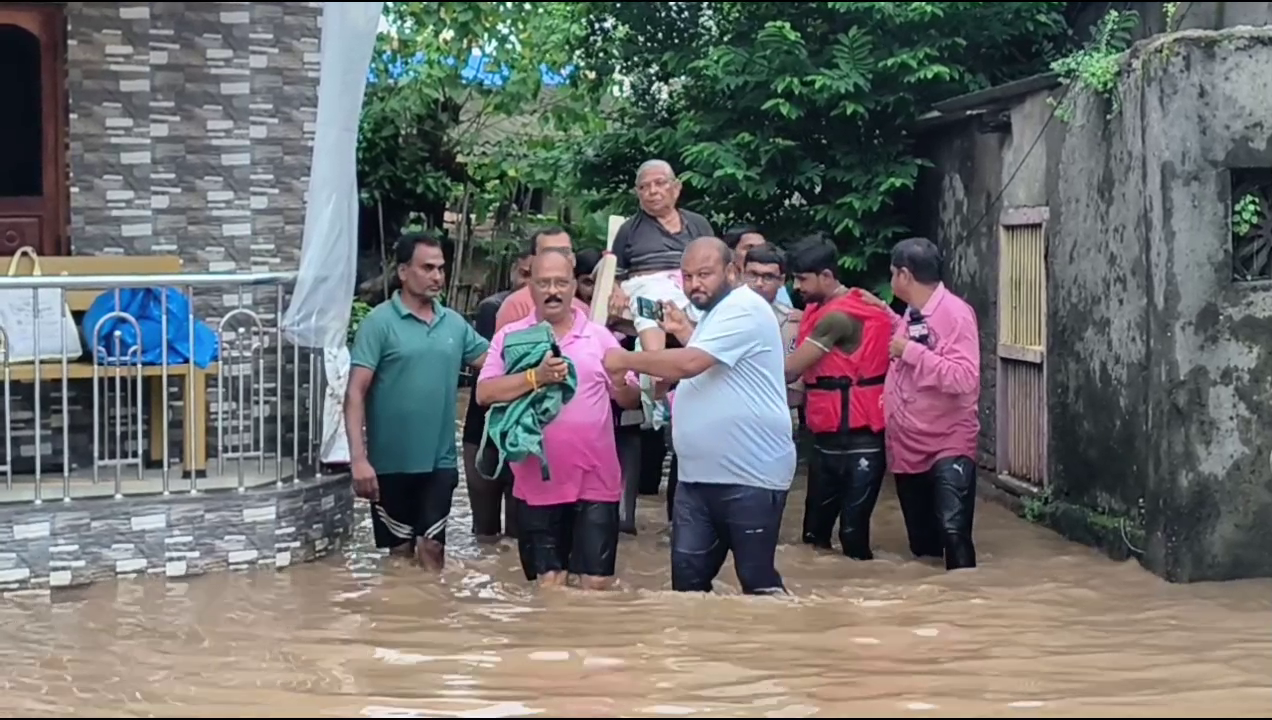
(845, 392)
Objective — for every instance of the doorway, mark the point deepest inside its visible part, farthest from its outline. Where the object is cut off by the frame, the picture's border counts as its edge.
(1021, 429)
(33, 170)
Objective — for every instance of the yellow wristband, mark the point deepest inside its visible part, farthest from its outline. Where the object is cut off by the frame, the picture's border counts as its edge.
(533, 378)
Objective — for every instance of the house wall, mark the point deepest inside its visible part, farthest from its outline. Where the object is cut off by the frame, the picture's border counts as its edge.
(1205, 101)
(57, 545)
(961, 206)
(190, 133)
(191, 127)
(1158, 362)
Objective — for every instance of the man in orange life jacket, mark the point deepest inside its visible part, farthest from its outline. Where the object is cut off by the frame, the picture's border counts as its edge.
(842, 354)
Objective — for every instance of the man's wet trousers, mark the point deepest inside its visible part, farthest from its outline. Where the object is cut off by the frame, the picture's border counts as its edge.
(938, 506)
(844, 476)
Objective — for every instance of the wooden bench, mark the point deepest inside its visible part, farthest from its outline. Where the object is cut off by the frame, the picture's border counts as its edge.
(194, 454)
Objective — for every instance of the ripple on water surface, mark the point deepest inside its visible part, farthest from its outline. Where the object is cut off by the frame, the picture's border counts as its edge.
(1043, 628)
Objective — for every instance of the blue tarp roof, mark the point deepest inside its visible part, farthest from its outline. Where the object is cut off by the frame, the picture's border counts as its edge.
(475, 71)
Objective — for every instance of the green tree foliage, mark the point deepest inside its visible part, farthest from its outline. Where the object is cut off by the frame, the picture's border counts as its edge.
(1097, 66)
(428, 133)
(794, 115)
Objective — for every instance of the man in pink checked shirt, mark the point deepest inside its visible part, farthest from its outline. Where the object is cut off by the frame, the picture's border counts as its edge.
(930, 406)
(567, 525)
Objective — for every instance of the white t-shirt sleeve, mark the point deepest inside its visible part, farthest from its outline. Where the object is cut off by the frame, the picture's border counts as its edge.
(728, 333)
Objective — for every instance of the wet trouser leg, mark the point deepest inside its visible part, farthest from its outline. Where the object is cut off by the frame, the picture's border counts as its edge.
(753, 519)
(845, 474)
(629, 459)
(816, 530)
(510, 506)
(653, 450)
(938, 507)
(673, 480)
(485, 497)
(710, 520)
(698, 548)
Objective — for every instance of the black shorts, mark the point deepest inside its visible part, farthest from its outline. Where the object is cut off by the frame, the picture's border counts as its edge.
(474, 421)
(581, 537)
(413, 505)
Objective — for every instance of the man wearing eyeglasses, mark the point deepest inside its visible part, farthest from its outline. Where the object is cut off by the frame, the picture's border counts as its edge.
(764, 270)
(742, 239)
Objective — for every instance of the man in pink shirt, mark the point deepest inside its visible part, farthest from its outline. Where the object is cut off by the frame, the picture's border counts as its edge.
(567, 524)
(519, 304)
(930, 407)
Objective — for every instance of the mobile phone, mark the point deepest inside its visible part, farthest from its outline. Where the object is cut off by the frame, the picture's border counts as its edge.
(649, 309)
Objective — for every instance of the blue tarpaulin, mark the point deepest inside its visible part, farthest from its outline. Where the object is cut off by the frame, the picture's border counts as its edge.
(146, 306)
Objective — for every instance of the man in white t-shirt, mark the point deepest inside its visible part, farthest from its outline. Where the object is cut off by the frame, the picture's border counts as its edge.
(730, 426)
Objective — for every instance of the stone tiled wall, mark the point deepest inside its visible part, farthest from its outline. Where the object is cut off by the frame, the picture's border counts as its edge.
(67, 545)
(191, 129)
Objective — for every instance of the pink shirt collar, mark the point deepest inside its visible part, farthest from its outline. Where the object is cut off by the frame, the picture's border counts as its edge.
(934, 302)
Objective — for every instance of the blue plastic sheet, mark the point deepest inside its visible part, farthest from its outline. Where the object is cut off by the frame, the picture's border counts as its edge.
(146, 306)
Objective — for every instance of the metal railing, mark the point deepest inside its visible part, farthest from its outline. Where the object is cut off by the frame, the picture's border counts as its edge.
(249, 418)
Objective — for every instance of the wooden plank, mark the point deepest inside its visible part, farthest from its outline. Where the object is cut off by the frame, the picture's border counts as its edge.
(605, 271)
(1017, 216)
(80, 300)
(51, 371)
(1021, 353)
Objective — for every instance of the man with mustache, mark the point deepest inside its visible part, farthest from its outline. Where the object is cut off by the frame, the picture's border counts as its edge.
(842, 354)
(403, 383)
(568, 523)
(730, 427)
(519, 305)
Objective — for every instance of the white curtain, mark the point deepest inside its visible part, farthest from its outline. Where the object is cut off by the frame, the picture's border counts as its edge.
(318, 316)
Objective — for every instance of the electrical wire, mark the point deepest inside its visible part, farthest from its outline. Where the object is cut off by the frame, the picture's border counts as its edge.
(1055, 106)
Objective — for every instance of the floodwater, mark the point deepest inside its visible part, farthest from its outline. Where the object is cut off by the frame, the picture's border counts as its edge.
(1044, 628)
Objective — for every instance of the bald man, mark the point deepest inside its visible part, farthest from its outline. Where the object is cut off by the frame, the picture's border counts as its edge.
(730, 427)
(567, 524)
(649, 247)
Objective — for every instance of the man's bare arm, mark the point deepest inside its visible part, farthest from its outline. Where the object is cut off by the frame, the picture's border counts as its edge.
(834, 331)
(355, 411)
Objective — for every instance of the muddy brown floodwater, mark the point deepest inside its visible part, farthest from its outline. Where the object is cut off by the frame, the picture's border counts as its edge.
(1044, 628)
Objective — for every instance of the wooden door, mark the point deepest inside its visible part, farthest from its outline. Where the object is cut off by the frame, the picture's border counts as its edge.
(33, 170)
(1022, 347)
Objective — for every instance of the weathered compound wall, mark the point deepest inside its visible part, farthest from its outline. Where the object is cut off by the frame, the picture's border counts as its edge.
(1204, 100)
(1159, 363)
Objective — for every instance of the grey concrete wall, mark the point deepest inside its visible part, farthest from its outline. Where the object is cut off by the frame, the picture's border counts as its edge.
(60, 545)
(1206, 99)
(1097, 293)
(961, 208)
(956, 194)
(1187, 16)
(1158, 362)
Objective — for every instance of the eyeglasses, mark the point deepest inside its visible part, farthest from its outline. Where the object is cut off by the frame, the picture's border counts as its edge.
(751, 277)
(547, 284)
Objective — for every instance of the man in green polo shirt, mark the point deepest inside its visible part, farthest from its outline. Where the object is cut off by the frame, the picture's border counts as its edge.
(403, 383)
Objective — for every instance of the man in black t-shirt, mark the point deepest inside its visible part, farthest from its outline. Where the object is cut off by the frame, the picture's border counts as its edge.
(486, 497)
